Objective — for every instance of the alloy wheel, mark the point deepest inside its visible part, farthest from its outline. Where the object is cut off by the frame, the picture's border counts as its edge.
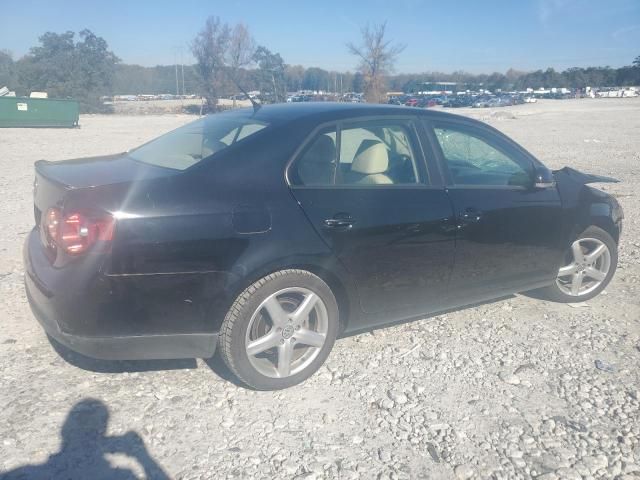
(588, 265)
(286, 332)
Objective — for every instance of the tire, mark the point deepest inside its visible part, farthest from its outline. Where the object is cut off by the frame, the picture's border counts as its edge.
(259, 331)
(592, 237)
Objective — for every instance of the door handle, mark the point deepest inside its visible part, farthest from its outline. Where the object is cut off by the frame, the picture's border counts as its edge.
(343, 221)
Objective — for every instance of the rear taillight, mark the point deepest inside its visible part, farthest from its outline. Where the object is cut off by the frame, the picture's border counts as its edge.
(77, 232)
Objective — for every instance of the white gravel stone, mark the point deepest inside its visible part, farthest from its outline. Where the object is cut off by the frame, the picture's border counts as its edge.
(438, 412)
(463, 472)
(398, 397)
(510, 378)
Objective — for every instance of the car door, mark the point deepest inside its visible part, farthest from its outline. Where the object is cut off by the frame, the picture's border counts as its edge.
(366, 189)
(509, 234)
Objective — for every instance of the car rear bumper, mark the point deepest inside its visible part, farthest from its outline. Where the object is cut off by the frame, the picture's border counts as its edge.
(52, 310)
(139, 347)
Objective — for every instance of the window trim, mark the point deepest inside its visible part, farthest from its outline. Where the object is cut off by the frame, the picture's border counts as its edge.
(492, 137)
(420, 161)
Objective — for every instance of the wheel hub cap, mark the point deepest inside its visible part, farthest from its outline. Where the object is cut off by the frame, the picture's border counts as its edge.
(586, 267)
(287, 332)
(270, 344)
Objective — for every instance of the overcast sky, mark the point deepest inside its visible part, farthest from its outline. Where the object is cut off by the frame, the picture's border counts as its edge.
(445, 35)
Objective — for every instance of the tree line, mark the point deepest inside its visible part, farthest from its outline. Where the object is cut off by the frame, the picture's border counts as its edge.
(229, 60)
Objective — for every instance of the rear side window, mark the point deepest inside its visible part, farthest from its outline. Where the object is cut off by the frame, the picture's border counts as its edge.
(368, 153)
(474, 160)
(317, 164)
(187, 145)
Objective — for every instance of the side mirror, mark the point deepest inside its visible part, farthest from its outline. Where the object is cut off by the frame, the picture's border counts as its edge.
(543, 178)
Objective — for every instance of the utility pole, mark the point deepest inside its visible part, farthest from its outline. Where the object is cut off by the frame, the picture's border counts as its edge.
(175, 58)
(177, 90)
(183, 91)
(182, 68)
(178, 51)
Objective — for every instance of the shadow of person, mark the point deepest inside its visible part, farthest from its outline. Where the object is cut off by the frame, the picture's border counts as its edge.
(83, 450)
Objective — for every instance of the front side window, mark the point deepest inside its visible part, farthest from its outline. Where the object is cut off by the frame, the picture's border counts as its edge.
(187, 145)
(473, 161)
(360, 153)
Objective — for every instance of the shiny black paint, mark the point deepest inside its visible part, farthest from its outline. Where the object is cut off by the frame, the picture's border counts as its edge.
(399, 247)
(506, 237)
(187, 243)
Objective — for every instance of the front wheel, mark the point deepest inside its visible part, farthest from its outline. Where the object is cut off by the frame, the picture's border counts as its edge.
(280, 330)
(588, 267)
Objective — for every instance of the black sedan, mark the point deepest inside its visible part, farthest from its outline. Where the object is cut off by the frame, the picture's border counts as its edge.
(271, 232)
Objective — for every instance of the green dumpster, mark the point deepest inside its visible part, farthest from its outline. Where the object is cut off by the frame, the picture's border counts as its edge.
(38, 112)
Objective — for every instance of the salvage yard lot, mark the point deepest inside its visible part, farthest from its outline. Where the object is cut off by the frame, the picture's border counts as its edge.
(507, 389)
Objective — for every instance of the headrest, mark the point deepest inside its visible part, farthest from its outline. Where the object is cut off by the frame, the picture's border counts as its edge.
(323, 150)
(372, 158)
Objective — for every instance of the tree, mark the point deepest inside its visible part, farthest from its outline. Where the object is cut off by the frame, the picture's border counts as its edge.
(270, 75)
(210, 48)
(315, 79)
(94, 67)
(496, 81)
(223, 54)
(294, 74)
(377, 59)
(240, 51)
(358, 82)
(7, 70)
(83, 70)
(636, 62)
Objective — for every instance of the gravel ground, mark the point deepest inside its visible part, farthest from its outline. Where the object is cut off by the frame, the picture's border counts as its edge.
(509, 389)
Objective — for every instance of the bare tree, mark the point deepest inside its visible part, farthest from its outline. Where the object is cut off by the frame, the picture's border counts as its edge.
(242, 47)
(377, 58)
(222, 53)
(239, 55)
(210, 48)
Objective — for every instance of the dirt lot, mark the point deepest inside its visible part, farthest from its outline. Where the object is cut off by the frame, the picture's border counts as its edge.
(504, 390)
(163, 107)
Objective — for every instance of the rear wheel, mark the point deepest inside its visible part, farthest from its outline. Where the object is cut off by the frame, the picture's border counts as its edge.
(588, 267)
(280, 330)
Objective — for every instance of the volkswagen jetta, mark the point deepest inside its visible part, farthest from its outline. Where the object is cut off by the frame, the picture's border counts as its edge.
(270, 232)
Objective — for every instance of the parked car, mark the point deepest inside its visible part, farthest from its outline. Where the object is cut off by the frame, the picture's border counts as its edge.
(459, 101)
(251, 231)
(482, 102)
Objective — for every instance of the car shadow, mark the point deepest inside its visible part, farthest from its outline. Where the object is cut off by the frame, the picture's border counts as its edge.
(119, 366)
(217, 366)
(84, 447)
(537, 294)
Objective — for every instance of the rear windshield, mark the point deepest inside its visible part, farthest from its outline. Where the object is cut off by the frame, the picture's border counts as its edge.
(187, 145)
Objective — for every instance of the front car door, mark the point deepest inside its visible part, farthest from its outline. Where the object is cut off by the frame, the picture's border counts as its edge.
(509, 234)
(365, 187)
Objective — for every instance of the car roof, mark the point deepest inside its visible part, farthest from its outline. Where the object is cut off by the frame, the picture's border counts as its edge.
(326, 111)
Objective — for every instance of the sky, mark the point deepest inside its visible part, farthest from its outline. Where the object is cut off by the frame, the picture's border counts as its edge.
(445, 35)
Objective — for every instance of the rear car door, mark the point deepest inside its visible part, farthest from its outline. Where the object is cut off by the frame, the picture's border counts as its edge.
(509, 234)
(366, 188)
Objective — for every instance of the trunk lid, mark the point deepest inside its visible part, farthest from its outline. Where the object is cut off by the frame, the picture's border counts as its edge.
(55, 180)
(97, 171)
